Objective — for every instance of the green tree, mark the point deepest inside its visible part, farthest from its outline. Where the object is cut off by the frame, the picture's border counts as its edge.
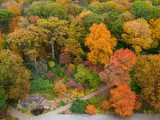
(58, 31)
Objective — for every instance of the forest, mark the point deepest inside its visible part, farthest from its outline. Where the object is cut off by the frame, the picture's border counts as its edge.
(63, 50)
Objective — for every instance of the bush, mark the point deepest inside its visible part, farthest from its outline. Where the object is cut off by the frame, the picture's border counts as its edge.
(90, 109)
(147, 72)
(85, 77)
(40, 84)
(105, 105)
(122, 100)
(61, 89)
(78, 106)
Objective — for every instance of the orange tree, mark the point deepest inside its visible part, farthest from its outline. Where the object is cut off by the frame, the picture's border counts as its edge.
(147, 73)
(118, 70)
(123, 100)
(100, 43)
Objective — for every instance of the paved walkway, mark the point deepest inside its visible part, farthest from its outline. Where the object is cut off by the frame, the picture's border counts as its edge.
(53, 115)
(82, 117)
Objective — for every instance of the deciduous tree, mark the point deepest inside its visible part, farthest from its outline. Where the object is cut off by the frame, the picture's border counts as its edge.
(122, 100)
(101, 44)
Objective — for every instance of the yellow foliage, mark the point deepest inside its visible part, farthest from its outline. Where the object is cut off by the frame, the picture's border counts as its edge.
(155, 27)
(84, 13)
(100, 43)
(138, 33)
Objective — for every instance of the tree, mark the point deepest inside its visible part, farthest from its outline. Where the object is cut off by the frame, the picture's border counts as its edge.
(14, 77)
(122, 100)
(124, 58)
(155, 28)
(58, 31)
(147, 72)
(100, 43)
(73, 48)
(5, 17)
(138, 34)
(117, 72)
(60, 89)
(1, 41)
(28, 41)
(85, 77)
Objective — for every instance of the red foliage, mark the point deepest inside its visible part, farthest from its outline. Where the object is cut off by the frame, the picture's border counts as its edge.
(80, 88)
(124, 59)
(71, 84)
(50, 75)
(123, 100)
(91, 109)
(114, 76)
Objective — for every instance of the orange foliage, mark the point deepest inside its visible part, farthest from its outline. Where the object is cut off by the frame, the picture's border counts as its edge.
(21, 1)
(123, 100)
(60, 89)
(91, 109)
(33, 19)
(124, 58)
(100, 43)
(14, 24)
(106, 105)
(14, 9)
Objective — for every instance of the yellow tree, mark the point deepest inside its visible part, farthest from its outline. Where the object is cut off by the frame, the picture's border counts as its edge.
(100, 43)
(155, 27)
(138, 34)
(28, 41)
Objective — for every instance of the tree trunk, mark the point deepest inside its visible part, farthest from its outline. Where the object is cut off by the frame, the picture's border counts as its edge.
(35, 63)
(52, 51)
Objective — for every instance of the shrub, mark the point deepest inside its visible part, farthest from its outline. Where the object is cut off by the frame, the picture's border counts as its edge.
(90, 109)
(147, 72)
(105, 105)
(122, 100)
(40, 84)
(78, 106)
(61, 89)
(85, 77)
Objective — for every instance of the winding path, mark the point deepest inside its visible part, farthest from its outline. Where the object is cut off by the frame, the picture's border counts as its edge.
(54, 115)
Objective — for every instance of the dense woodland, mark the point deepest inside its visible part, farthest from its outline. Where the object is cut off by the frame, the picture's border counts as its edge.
(60, 46)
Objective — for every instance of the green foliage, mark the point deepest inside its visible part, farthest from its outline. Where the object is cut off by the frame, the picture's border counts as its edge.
(92, 18)
(58, 72)
(142, 9)
(86, 77)
(47, 9)
(78, 106)
(61, 103)
(5, 17)
(40, 84)
(2, 99)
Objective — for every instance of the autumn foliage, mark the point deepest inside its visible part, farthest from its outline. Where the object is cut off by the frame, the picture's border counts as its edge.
(123, 58)
(101, 44)
(61, 89)
(105, 105)
(90, 109)
(147, 73)
(118, 70)
(123, 100)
